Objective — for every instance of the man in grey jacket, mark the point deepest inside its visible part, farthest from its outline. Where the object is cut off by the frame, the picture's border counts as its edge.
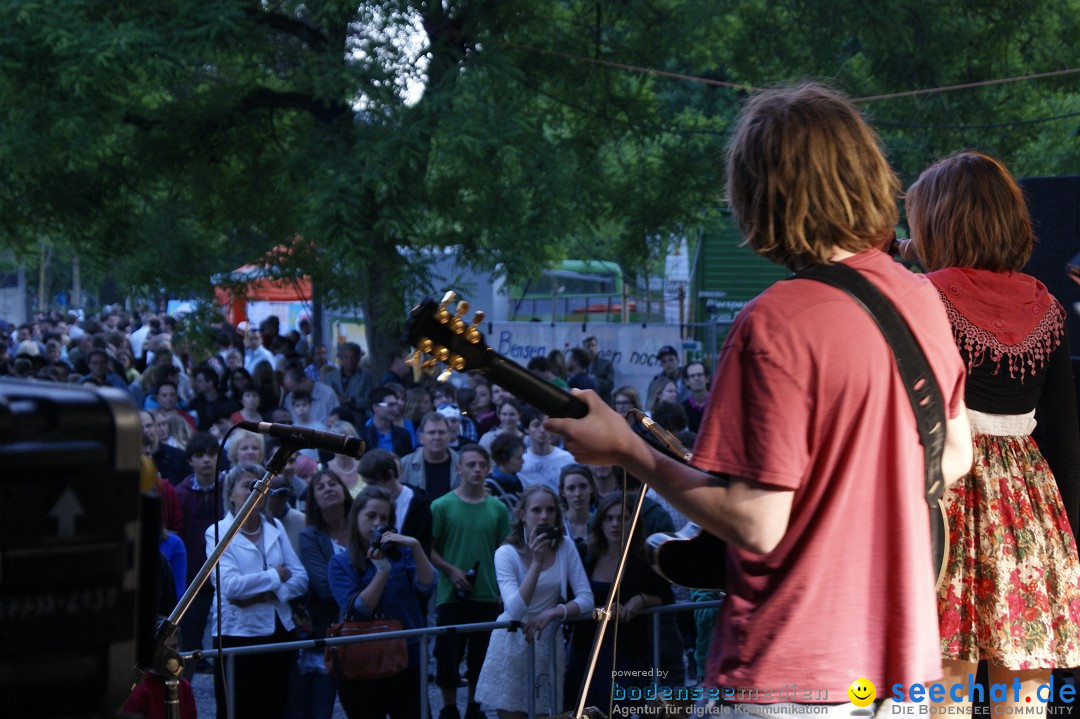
(433, 467)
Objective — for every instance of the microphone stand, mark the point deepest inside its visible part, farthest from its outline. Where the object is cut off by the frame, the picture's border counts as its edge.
(167, 662)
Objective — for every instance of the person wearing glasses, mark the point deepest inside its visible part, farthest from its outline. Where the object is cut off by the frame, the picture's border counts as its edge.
(625, 399)
(696, 376)
(381, 432)
(259, 575)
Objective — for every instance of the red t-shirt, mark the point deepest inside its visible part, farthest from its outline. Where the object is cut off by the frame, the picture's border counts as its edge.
(806, 397)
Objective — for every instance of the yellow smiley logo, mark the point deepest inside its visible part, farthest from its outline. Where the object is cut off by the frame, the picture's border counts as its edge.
(862, 692)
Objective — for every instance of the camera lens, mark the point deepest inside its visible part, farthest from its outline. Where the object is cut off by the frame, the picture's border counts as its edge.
(391, 550)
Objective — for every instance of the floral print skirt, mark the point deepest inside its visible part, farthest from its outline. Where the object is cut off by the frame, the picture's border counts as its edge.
(1011, 591)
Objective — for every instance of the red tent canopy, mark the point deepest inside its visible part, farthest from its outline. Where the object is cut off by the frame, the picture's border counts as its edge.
(258, 285)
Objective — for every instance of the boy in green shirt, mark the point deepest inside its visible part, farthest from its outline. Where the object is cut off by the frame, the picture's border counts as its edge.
(468, 526)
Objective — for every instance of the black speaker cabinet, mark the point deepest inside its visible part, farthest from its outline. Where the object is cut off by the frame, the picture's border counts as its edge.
(1054, 203)
(69, 527)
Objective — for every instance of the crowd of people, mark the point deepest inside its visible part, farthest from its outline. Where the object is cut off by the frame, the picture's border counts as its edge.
(461, 477)
(470, 507)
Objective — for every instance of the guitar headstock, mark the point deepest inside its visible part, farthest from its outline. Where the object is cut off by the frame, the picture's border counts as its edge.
(442, 337)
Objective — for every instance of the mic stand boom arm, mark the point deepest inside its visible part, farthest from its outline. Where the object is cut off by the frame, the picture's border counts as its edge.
(167, 662)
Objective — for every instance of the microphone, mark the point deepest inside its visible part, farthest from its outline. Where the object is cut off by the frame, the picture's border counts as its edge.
(308, 438)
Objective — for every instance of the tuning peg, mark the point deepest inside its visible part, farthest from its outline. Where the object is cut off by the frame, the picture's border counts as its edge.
(456, 362)
(472, 334)
(442, 354)
(425, 346)
(442, 314)
(457, 324)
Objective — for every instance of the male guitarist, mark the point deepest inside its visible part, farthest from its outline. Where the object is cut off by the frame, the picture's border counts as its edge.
(808, 461)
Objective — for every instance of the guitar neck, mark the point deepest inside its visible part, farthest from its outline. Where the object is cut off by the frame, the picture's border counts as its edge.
(526, 386)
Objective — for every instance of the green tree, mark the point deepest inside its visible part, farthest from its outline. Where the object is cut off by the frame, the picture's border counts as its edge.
(169, 141)
(164, 143)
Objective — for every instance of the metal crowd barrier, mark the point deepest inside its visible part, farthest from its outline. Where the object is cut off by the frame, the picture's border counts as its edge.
(426, 632)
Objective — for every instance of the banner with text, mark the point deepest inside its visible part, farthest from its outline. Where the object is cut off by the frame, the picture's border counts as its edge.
(631, 348)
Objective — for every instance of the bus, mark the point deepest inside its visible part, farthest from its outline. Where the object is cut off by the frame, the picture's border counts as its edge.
(572, 291)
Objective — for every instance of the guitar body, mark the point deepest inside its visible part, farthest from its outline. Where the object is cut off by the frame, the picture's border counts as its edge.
(691, 557)
(695, 559)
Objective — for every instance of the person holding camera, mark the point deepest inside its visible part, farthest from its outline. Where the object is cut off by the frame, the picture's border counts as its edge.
(379, 576)
(535, 567)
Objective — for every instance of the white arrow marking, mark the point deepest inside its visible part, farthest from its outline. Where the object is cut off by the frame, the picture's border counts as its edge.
(66, 510)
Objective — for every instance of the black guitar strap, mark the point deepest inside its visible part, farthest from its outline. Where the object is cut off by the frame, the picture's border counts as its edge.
(919, 381)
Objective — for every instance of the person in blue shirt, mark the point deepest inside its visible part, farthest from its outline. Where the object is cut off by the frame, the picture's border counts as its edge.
(366, 583)
(381, 431)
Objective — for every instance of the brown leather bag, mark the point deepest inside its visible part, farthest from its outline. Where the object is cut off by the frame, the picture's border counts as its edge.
(366, 660)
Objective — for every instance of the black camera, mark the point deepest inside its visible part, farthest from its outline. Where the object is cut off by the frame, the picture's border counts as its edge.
(389, 549)
(548, 532)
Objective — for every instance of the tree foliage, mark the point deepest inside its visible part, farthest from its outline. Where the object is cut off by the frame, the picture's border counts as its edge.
(166, 142)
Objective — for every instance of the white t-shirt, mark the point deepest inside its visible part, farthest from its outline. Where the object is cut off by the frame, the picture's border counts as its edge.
(544, 469)
(401, 505)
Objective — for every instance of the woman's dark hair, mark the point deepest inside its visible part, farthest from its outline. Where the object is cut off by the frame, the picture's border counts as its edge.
(240, 372)
(485, 383)
(503, 447)
(597, 542)
(575, 468)
(968, 211)
(465, 397)
(378, 465)
(513, 403)
(314, 516)
(358, 546)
